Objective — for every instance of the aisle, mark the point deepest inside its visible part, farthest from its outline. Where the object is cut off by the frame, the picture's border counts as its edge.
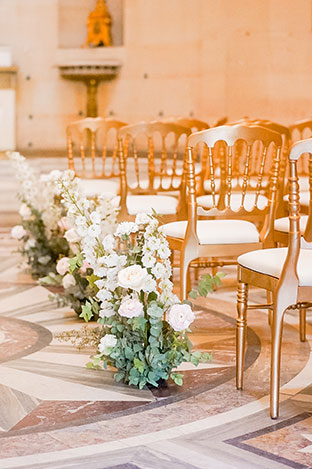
(57, 413)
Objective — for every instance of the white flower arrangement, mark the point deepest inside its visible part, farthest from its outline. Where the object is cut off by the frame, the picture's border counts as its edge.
(144, 324)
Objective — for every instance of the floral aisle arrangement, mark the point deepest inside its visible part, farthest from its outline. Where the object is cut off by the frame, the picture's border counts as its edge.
(73, 272)
(48, 240)
(41, 231)
(144, 325)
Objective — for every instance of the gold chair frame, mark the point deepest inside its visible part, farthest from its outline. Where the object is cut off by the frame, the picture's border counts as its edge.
(93, 125)
(168, 171)
(287, 294)
(189, 246)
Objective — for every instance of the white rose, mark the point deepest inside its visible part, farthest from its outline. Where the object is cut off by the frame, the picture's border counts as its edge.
(180, 317)
(72, 236)
(62, 266)
(25, 212)
(131, 308)
(132, 277)
(107, 343)
(142, 219)
(18, 232)
(68, 281)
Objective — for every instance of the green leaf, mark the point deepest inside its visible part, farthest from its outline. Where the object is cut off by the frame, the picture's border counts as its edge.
(152, 296)
(139, 365)
(177, 378)
(72, 264)
(86, 312)
(92, 279)
(154, 311)
(139, 323)
(193, 294)
(119, 376)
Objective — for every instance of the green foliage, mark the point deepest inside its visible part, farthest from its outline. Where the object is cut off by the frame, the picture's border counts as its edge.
(207, 284)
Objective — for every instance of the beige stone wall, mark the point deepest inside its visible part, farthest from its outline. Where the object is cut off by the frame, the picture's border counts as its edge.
(207, 57)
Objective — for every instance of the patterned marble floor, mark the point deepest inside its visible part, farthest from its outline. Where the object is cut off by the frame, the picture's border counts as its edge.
(56, 413)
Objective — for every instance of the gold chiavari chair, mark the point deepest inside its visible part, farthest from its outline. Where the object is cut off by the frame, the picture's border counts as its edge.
(226, 227)
(195, 125)
(299, 131)
(92, 150)
(286, 272)
(151, 157)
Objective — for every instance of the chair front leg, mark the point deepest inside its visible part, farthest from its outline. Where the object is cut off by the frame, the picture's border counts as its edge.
(185, 261)
(241, 326)
(276, 344)
(302, 324)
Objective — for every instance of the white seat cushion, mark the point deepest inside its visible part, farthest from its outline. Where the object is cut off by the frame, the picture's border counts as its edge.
(206, 201)
(271, 261)
(282, 224)
(162, 204)
(92, 187)
(216, 231)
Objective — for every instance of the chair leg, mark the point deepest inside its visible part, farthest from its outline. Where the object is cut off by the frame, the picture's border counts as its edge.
(276, 344)
(302, 324)
(241, 326)
(269, 300)
(184, 280)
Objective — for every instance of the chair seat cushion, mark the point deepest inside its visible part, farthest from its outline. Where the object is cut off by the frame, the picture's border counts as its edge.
(271, 261)
(162, 204)
(92, 187)
(282, 224)
(216, 231)
(206, 201)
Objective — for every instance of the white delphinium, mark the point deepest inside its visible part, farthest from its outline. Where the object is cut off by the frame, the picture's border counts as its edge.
(93, 221)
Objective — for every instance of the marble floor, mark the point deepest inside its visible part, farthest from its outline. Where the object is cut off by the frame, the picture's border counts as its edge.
(56, 413)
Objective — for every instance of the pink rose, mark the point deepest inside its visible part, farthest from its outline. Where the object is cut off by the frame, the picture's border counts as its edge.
(131, 308)
(180, 317)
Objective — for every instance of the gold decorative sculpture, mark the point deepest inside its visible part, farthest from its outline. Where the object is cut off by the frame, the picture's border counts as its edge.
(99, 26)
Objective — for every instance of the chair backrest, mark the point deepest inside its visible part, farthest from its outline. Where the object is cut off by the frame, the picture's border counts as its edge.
(289, 278)
(189, 122)
(93, 147)
(299, 131)
(238, 172)
(151, 157)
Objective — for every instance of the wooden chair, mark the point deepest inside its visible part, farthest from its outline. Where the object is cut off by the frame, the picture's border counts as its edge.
(151, 168)
(286, 272)
(231, 229)
(93, 154)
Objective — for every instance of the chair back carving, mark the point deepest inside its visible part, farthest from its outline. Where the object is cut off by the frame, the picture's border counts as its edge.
(151, 158)
(195, 125)
(241, 163)
(299, 131)
(93, 147)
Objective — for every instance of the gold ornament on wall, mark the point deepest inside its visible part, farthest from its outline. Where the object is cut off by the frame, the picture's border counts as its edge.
(99, 26)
